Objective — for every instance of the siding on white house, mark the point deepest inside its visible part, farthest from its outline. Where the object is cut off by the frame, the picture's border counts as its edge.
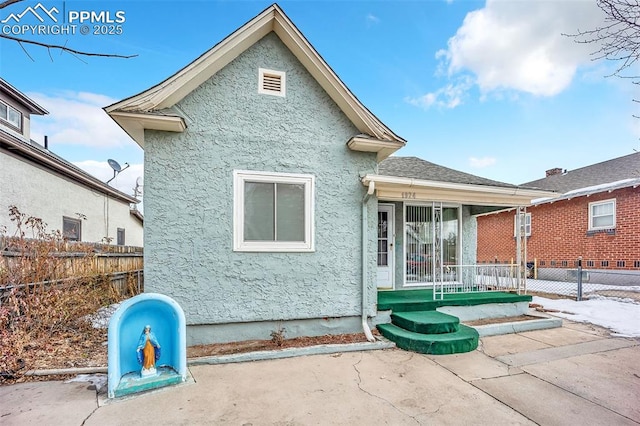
(42, 193)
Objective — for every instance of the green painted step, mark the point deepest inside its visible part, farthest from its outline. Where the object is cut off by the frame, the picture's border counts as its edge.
(426, 322)
(463, 340)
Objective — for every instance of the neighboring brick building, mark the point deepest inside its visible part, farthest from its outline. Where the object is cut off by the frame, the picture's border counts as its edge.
(597, 217)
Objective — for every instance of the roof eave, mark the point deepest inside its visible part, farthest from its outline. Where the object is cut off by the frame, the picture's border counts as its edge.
(383, 148)
(82, 178)
(27, 102)
(134, 123)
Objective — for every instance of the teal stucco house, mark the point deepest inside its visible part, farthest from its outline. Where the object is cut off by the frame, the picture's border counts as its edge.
(268, 200)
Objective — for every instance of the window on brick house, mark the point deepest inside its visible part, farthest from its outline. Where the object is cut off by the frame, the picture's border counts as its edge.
(602, 215)
(604, 263)
(526, 224)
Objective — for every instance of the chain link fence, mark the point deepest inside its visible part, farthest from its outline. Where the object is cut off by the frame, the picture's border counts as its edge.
(584, 283)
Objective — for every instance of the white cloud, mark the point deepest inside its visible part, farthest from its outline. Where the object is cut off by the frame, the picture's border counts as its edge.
(480, 163)
(77, 118)
(449, 96)
(517, 46)
(125, 181)
(372, 19)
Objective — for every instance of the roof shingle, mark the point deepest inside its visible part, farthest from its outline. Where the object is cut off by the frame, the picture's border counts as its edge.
(617, 169)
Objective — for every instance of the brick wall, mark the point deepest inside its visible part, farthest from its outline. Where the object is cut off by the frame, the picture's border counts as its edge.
(559, 234)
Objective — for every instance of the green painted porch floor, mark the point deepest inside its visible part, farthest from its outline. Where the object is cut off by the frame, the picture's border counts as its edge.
(422, 300)
(417, 326)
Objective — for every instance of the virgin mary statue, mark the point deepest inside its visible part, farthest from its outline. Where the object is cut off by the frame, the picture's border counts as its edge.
(148, 352)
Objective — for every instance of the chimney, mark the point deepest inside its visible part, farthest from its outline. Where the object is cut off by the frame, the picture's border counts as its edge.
(553, 172)
(46, 142)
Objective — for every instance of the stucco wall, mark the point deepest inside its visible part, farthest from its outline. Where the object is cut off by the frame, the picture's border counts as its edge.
(40, 193)
(189, 198)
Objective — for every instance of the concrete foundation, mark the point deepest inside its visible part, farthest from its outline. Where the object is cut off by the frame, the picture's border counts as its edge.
(237, 332)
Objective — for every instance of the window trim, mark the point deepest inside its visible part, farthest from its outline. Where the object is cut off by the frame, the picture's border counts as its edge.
(527, 216)
(75, 221)
(239, 244)
(6, 119)
(591, 217)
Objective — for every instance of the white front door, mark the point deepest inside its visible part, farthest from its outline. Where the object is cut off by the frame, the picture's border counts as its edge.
(386, 238)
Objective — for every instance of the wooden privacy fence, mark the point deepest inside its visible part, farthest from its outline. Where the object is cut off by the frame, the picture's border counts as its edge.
(32, 262)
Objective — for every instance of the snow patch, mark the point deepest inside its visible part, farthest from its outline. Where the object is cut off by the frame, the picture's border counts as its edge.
(620, 317)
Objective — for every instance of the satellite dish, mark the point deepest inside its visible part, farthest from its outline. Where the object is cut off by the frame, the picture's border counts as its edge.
(114, 165)
(116, 168)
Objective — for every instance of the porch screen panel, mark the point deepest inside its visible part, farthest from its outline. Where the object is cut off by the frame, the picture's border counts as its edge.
(418, 244)
(450, 238)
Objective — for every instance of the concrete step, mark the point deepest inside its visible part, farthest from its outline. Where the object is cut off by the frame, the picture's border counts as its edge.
(426, 322)
(463, 340)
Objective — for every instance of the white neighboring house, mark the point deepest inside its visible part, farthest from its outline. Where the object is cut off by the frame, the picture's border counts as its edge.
(46, 186)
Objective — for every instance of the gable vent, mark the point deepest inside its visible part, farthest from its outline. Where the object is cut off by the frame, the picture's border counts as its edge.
(271, 82)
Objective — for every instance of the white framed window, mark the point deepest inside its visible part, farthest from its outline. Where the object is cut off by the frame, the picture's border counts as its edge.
(527, 224)
(602, 214)
(272, 82)
(10, 115)
(273, 212)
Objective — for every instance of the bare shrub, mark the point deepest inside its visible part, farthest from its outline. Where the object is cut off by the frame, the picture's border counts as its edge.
(44, 298)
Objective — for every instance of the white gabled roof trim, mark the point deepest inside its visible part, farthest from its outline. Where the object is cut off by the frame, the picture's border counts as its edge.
(176, 87)
(469, 193)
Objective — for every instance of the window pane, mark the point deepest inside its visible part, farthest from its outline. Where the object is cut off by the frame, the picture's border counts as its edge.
(602, 221)
(259, 211)
(3, 111)
(290, 212)
(603, 209)
(14, 117)
(71, 229)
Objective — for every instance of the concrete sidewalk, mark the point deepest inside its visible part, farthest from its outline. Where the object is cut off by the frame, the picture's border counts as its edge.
(571, 375)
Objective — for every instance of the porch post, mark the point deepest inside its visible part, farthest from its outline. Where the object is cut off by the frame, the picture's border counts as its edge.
(521, 249)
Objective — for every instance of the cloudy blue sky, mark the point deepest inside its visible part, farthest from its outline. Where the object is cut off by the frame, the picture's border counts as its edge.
(491, 88)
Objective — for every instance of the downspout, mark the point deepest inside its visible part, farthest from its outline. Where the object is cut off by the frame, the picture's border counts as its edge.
(365, 226)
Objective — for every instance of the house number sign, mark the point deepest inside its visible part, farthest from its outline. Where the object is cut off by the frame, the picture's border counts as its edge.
(409, 195)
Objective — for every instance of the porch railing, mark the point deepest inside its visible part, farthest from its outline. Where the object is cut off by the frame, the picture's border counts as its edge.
(478, 278)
